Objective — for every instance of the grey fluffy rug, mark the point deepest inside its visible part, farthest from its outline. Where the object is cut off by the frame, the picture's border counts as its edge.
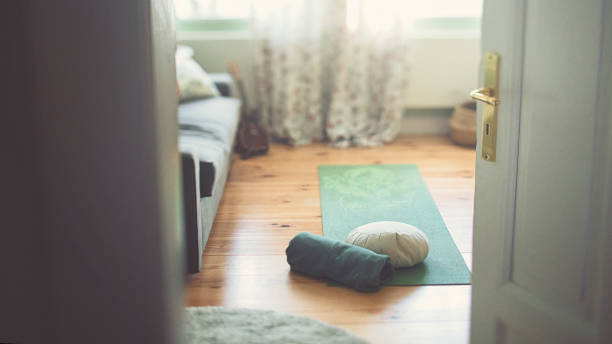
(238, 325)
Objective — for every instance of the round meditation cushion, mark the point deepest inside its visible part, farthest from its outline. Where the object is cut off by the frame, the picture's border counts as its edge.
(406, 245)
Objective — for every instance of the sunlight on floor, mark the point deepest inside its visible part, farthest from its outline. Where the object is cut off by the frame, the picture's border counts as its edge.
(270, 199)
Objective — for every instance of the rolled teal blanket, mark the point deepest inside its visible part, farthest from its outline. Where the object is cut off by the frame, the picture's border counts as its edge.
(351, 265)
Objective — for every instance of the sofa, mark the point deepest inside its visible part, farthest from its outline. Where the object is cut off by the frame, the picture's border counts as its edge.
(206, 140)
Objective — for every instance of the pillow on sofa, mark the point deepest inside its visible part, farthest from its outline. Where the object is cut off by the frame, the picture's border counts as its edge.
(193, 82)
(406, 245)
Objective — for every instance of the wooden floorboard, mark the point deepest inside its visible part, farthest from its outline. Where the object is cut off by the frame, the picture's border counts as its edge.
(269, 199)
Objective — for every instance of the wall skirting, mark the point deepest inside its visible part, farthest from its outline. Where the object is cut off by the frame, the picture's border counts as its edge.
(426, 121)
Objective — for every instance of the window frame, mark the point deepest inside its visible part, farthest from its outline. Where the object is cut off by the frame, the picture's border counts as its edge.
(239, 28)
(213, 24)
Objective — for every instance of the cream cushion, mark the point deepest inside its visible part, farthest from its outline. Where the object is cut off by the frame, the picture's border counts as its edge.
(193, 81)
(406, 245)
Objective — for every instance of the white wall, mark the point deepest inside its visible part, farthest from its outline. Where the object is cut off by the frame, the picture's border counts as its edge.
(443, 70)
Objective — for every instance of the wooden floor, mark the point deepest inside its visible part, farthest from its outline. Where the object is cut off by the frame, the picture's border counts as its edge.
(270, 199)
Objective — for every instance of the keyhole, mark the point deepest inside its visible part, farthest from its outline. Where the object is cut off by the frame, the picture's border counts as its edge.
(487, 129)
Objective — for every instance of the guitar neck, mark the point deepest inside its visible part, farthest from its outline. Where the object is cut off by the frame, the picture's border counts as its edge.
(234, 71)
(242, 92)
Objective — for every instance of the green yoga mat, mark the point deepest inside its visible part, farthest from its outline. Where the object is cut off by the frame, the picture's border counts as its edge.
(354, 195)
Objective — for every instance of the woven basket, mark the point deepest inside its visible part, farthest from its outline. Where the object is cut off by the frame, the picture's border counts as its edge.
(463, 124)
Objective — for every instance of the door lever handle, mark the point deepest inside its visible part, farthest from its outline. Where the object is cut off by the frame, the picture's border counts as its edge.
(487, 95)
(484, 95)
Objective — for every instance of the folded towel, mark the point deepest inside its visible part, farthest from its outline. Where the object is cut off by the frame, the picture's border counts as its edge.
(351, 265)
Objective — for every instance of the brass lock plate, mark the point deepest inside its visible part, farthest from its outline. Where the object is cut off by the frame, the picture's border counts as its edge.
(489, 111)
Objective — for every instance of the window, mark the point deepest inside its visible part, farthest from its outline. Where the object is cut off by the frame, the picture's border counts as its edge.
(212, 9)
(231, 15)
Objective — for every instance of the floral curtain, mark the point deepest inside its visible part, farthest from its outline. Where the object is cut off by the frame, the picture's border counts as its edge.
(331, 69)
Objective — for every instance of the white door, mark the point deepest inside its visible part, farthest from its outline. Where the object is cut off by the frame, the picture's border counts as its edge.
(542, 221)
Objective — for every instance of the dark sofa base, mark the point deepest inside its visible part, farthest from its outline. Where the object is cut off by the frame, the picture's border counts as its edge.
(205, 142)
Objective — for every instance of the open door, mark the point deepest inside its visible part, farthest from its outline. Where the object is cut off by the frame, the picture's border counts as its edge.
(542, 219)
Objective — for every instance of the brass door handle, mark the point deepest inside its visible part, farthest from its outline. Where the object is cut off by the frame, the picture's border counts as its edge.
(484, 95)
(488, 95)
